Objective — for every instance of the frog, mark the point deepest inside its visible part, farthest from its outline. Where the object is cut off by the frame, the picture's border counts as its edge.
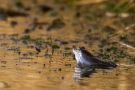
(86, 60)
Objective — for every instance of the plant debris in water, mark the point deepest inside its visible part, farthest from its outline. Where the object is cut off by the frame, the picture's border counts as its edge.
(37, 37)
(56, 24)
(26, 37)
(45, 8)
(54, 46)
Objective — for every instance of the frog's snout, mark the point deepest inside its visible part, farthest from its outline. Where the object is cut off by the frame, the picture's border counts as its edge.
(74, 47)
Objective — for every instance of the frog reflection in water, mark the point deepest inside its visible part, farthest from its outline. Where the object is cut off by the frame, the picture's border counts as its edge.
(86, 63)
(87, 60)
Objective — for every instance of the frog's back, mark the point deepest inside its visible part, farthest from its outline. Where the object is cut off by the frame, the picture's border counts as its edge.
(92, 61)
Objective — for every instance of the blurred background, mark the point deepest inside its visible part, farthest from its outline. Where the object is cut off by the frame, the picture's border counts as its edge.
(36, 39)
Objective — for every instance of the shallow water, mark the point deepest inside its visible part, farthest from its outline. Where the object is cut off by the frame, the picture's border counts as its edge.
(24, 68)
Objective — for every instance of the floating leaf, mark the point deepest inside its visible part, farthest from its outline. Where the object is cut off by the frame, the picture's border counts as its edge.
(64, 42)
(26, 37)
(54, 46)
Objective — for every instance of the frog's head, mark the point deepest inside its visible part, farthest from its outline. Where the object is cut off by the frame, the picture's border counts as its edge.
(78, 53)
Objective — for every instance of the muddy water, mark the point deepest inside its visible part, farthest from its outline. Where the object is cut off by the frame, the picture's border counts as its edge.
(24, 68)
